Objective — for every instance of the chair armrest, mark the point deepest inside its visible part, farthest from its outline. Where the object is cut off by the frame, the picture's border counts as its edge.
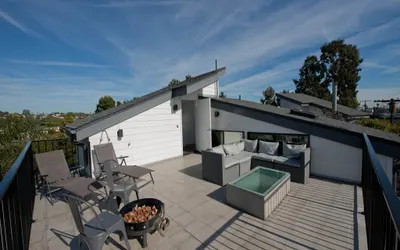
(123, 157)
(305, 157)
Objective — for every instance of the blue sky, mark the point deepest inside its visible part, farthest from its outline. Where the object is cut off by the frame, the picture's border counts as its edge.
(62, 55)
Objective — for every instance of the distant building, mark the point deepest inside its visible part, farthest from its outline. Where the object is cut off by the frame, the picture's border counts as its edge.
(318, 106)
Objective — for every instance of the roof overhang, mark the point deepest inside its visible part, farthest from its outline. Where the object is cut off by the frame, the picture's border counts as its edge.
(99, 125)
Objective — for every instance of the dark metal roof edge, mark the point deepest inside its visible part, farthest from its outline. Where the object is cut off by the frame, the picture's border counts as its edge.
(310, 120)
(361, 113)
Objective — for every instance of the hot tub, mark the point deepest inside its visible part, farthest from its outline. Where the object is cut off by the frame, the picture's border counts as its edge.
(259, 191)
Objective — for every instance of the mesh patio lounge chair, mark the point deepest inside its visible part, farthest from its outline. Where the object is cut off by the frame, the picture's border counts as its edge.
(106, 153)
(55, 175)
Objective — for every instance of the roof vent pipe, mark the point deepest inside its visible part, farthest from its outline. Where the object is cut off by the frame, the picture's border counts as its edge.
(334, 98)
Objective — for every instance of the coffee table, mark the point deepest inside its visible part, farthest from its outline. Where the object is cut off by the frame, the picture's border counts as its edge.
(259, 191)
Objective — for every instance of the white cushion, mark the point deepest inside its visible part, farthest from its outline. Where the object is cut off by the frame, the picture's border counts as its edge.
(218, 149)
(230, 161)
(231, 149)
(240, 146)
(250, 145)
(293, 151)
(269, 148)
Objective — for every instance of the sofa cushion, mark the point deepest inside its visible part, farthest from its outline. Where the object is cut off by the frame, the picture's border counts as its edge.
(240, 146)
(287, 161)
(243, 156)
(231, 149)
(230, 161)
(270, 148)
(293, 151)
(219, 149)
(264, 157)
(250, 145)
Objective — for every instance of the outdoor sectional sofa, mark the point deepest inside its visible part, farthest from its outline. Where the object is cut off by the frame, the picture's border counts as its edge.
(225, 163)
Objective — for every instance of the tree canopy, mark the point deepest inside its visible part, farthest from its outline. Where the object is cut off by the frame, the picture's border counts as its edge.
(105, 102)
(69, 118)
(269, 95)
(173, 82)
(222, 94)
(338, 64)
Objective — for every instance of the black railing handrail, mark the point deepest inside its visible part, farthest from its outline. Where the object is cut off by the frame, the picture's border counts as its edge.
(391, 199)
(50, 139)
(11, 173)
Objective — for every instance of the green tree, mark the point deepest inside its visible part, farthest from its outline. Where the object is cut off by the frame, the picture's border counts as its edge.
(285, 91)
(188, 77)
(269, 95)
(339, 63)
(311, 79)
(105, 102)
(222, 94)
(343, 64)
(119, 103)
(26, 112)
(69, 118)
(173, 82)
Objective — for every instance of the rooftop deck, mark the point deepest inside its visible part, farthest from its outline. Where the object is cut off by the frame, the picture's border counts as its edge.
(319, 215)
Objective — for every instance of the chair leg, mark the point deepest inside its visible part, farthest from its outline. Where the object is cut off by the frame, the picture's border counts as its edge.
(96, 243)
(137, 194)
(152, 179)
(123, 230)
(51, 197)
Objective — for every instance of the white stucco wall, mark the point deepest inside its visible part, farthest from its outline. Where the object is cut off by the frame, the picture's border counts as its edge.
(151, 136)
(211, 90)
(328, 158)
(335, 160)
(235, 122)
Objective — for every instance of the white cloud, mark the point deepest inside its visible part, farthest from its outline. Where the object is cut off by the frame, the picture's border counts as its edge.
(60, 64)
(127, 4)
(6, 17)
(173, 38)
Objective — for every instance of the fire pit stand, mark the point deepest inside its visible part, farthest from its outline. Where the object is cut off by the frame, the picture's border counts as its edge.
(139, 231)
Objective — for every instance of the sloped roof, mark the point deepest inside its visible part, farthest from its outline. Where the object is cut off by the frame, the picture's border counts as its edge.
(112, 111)
(320, 120)
(306, 99)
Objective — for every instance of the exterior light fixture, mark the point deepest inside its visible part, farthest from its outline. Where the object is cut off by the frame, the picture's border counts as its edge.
(120, 133)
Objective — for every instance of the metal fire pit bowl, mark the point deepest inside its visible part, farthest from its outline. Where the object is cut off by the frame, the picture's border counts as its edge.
(140, 230)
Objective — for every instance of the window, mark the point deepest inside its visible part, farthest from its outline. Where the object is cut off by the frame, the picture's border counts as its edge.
(219, 137)
(274, 137)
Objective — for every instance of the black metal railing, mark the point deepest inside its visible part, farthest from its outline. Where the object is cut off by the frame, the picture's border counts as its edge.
(65, 144)
(17, 197)
(381, 204)
(47, 145)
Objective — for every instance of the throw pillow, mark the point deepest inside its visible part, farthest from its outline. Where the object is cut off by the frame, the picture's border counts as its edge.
(218, 149)
(231, 149)
(250, 145)
(293, 151)
(269, 148)
(240, 146)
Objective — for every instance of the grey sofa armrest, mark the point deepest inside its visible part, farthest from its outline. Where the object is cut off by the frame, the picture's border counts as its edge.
(305, 157)
(213, 166)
